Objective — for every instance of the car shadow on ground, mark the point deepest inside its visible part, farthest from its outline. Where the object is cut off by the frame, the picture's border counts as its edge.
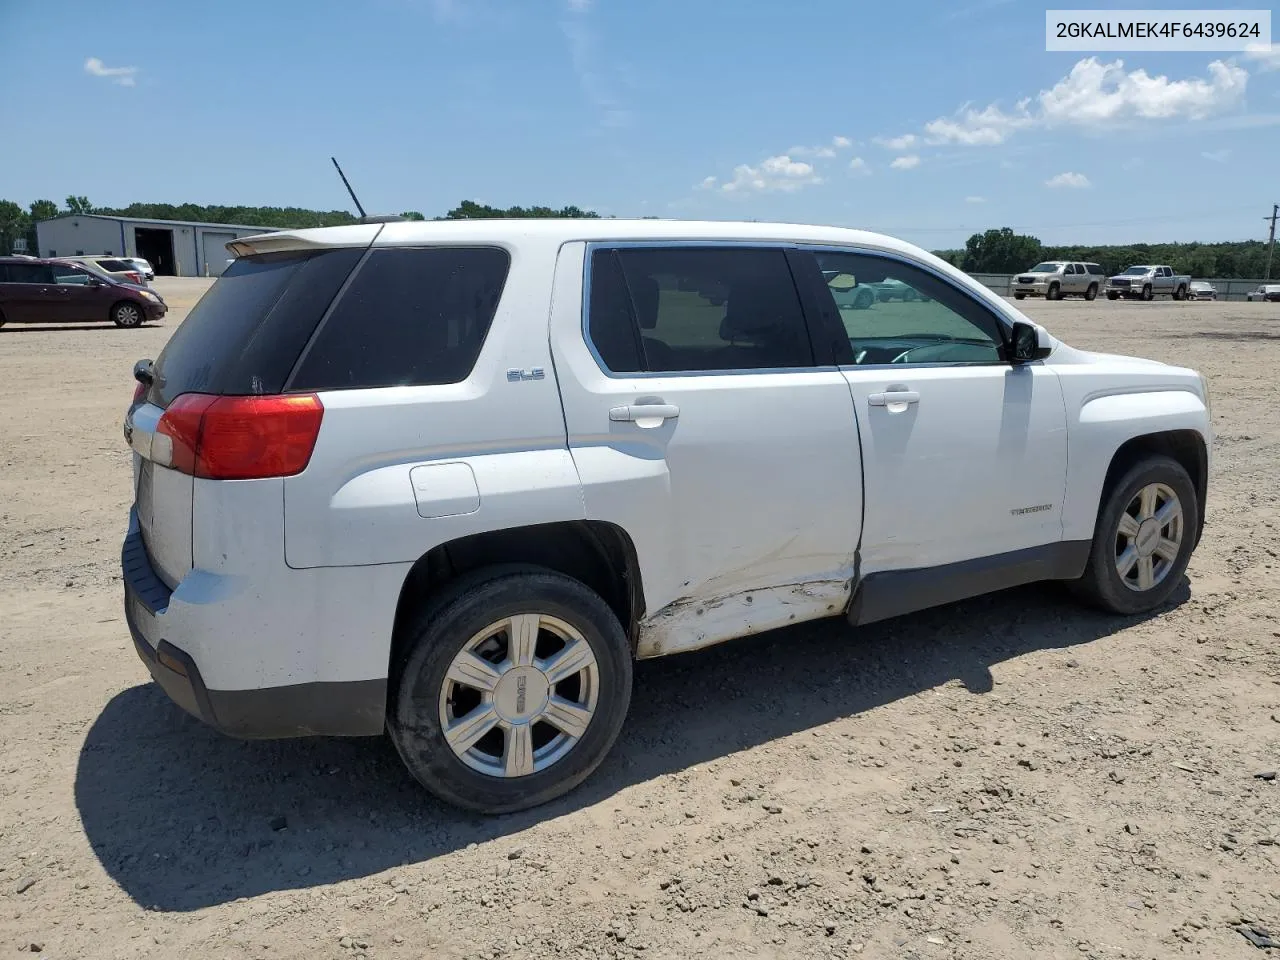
(183, 818)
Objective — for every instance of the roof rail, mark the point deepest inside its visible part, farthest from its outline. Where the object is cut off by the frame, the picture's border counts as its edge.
(382, 218)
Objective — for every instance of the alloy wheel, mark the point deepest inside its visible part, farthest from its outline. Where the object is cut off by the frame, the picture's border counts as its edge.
(1149, 537)
(519, 695)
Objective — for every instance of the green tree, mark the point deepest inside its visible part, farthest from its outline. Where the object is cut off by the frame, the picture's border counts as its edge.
(43, 210)
(79, 205)
(412, 215)
(14, 223)
(1000, 251)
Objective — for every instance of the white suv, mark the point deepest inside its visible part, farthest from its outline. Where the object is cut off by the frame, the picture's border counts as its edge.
(450, 479)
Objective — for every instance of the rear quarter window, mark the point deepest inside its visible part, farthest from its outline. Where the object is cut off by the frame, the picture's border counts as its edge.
(409, 317)
(247, 332)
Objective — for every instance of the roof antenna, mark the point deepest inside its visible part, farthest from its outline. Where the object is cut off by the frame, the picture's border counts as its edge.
(354, 198)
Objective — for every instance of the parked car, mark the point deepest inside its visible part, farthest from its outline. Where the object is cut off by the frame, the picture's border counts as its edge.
(114, 267)
(1147, 282)
(1055, 279)
(1265, 292)
(891, 289)
(451, 480)
(57, 291)
(1202, 290)
(142, 266)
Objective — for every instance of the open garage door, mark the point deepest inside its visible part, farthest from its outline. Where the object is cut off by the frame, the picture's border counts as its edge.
(215, 255)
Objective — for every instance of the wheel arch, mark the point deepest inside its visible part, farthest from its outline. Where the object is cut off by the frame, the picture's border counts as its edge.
(1186, 446)
(601, 555)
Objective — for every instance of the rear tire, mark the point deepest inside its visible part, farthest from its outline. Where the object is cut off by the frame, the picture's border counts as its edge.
(127, 314)
(451, 679)
(1092, 292)
(1180, 293)
(1138, 556)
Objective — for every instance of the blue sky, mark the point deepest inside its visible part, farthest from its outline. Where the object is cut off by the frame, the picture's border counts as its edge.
(922, 118)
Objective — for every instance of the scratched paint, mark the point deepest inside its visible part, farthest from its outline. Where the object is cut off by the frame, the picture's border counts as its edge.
(691, 625)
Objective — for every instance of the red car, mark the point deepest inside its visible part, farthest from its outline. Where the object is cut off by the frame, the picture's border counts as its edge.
(58, 291)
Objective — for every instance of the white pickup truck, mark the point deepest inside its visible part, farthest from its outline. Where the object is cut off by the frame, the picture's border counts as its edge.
(451, 479)
(1145, 282)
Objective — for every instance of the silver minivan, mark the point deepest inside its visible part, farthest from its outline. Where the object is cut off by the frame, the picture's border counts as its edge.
(1055, 279)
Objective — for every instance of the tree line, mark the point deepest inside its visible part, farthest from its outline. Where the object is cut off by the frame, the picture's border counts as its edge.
(1003, 251)
(995, 251)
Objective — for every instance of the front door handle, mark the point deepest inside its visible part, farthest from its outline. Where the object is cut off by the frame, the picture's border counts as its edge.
(633, 412)
(890, 397)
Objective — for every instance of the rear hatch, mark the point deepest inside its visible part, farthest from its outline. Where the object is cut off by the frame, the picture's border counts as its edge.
(242, 339)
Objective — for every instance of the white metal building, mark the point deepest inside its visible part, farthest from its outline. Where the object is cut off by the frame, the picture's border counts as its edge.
(177, 248)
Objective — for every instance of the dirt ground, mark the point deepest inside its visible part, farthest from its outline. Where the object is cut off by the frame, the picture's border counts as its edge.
(1007, 777)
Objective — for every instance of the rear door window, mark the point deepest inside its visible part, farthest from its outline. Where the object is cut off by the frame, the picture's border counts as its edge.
(691, 309)
(410, 317)
(29, 273)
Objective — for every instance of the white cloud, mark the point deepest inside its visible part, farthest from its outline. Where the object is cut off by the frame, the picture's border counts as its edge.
(841, 143)
(1217, 156)
(858, 165)
(975, 199)
(707, 183)
(124, 76)
(971, 127)
(780, 173)
(909, 162)
(1095, 93)
(1092, 95)
(1075, 181)
(820, 153)
(903, 142)
(578, 6)
(1267, 59)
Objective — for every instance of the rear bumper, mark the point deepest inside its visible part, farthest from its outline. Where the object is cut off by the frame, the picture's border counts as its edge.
(343, 709)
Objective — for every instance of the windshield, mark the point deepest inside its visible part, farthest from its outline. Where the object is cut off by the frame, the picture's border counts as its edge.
(1135, 271)
(1044, 268)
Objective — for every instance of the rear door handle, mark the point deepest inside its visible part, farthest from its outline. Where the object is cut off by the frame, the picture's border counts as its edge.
(893, 396)
(632, 412)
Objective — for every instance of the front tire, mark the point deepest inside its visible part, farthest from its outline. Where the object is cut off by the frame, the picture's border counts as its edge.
(1092, 292)
(1019, 296)
(126, 314)
(1054, 292)
(1112, 295)
(513, 690)
(1146, 530)
(1146, 292)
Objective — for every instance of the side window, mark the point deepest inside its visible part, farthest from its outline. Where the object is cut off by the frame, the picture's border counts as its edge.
(30, 273)
(1071, 268)
(1095, 269)
(410, 316)
(690, 309)
(896, 312)
(67, 274)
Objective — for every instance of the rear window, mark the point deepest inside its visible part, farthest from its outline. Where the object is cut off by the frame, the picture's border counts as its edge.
(247, 332)
(114, 266)
(410, 316)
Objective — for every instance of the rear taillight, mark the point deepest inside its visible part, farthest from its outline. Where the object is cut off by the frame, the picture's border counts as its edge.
(241, 438)
(133, 277)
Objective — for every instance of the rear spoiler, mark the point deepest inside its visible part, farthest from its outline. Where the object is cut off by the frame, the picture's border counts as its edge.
(320, 238)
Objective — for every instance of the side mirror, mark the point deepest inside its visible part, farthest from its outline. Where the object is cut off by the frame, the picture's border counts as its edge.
(96, 282)
(1028, 343)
